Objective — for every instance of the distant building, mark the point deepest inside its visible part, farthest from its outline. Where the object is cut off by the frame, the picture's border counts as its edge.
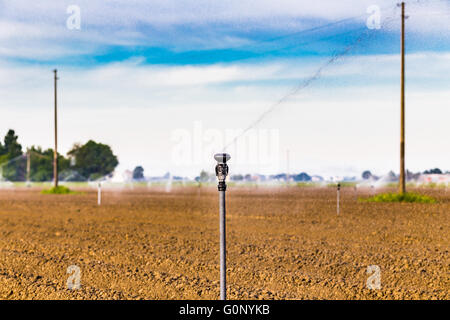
(434, 178)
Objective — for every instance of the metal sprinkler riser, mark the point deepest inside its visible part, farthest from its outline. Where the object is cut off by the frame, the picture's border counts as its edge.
(221, 173)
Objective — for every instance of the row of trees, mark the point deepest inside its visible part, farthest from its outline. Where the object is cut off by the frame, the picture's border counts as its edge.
(83, 162)
(301, 177)
(366, 175)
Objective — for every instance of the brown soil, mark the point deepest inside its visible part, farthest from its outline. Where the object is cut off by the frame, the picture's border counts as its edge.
(285, 243)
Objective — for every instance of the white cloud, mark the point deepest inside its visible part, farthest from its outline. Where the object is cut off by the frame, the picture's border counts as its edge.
(136, 74)
(37, 30)
(173, 12)
(129, 12)
(337, 121)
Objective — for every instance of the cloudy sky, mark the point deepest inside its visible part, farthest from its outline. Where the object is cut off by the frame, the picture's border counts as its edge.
(168, 83)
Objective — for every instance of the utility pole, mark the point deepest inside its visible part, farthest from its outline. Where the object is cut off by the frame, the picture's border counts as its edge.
(55, 153)
(402, 186)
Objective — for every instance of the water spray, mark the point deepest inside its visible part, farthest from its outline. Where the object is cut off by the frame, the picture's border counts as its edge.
(287, 167)
(302, 85)
(99, 193)
(28, 184)
(169, 183)
(221, 173)
(364, 36)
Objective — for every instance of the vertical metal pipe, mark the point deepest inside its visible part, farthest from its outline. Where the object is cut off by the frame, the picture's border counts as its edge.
(223, 250)
(402, 185)
(338, 197)
(221, 173)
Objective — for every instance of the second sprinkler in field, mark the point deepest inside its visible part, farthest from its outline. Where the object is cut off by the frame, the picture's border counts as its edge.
(338, 198)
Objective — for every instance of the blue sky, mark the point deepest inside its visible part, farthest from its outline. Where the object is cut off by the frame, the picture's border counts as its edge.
(176, 37)
(136, 73)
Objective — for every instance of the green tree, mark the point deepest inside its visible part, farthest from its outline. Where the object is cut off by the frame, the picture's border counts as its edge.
(2, 150)
(138, 173)
(237, 177)
(93, 160)
(366, 175)
(12, 146)
(204, 176)
(433, 171)
(41, 164)
(11, 158)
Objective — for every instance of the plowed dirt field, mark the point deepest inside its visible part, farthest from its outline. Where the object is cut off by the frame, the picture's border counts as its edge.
(285, 243)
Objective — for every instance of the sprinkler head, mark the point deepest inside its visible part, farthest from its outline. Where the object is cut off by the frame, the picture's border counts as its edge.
(222, 157)
(222, 169)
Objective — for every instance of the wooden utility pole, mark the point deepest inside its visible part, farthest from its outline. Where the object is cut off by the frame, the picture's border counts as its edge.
(55, 153)
(402, 186)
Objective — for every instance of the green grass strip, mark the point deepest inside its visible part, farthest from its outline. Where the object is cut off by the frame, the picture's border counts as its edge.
(397, 197)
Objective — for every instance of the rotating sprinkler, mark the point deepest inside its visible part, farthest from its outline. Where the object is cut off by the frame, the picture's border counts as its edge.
(221, 173)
